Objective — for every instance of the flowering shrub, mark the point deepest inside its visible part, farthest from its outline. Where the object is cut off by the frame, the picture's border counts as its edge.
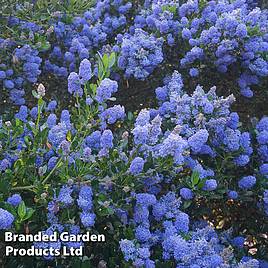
(171, 242)
(86, 35)
(158, 183)
(200, 37)
(228, 29)
(97, 169)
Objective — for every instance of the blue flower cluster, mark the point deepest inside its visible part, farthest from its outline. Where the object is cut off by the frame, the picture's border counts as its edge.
(66, 198)
(160, 17)
(161, 227)
(75, 81)
(6, 219)
(201, 129)
(185, 135)
(134, 177)
(14, 200)
(140, 53)
(85, 35)
(21, 66)
(220, 36)
(228, 35)
(85, 203)
(262, 139)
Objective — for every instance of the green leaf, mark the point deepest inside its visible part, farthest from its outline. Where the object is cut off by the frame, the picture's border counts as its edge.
(35, 94)
(112, 59)
(201, 184)
(195, 178)
(27, 140)
(110, 211)
(18, 163)
(69, 136)
(45, 46)
(105, 60)
(93, 88)
(100, 66)
(29, 213)
(102, 197)
(4, 186)
(187, 204)
(22, 210)
(130, 116)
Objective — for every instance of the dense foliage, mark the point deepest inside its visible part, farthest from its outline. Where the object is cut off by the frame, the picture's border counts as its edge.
(182, 183)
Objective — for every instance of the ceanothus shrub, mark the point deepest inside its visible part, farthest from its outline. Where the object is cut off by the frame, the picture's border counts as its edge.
(228, 35)
(82, 168)
(85, 35)
(200, 134)
(93, 167)
(163, 237)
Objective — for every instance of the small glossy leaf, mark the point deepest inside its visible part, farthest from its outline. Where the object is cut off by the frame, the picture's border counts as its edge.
(22, 210)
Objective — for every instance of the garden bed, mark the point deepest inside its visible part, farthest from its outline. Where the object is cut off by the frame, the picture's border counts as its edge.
(138, 126)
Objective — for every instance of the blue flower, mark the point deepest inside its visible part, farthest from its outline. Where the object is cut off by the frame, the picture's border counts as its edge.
(4, 164)
(136, 166)
(9, 84)
(247, 182)
(6, 219)
(182, 222)
(65, 196)
(74, 84)
(264, 170)
(145, 199)
(89, 101)
(105, 90)
(51, 120)
(242, 160)
(66, 118)
(142, 234)
(233, 195)
(14, 200)
(143, 118)
(52, 162)
(186, 33)
(2, 75)
(194, 72)
(87, 219)
(85, 72)
(85, 198)
(140, 54)
(128, 249)
(52, 105)
(106, 140)
(197, 140)
(186, 193)
(210, 185)
(112, 114)
(238, 241)
(22, 114)
(65, 146)
(34, 112)
(93, 140)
